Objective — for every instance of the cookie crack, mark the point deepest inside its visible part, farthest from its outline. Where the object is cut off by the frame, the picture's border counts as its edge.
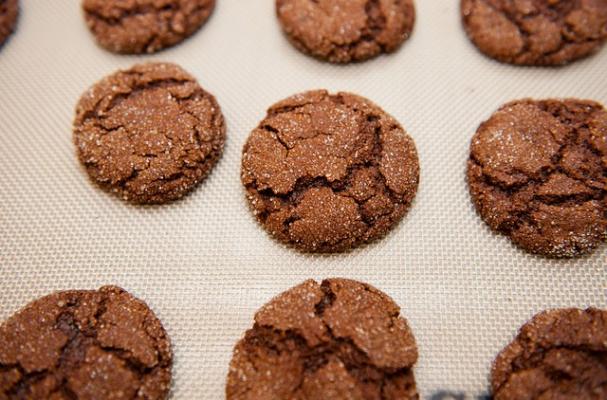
(565, 43)
(26, 379)
(278, 346)
(327, 300)
(522, 216)
(197, 129)
(340, 187)
(357, 363)
(372, 124)
(78, 319)
(288, 108)
(275, 134)
(556, 13)
(514, 21)
(137, 11)
(544, 176)
(375, 25)
(536, 361)
(131, 362)
(147, 45)
(137, 86)
(124, 355)
(566, 199)
(65, 362)
(358, 182)
(65, 392)
(98, 118)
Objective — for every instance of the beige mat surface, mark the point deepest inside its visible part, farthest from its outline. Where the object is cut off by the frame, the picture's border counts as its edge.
(204, 265)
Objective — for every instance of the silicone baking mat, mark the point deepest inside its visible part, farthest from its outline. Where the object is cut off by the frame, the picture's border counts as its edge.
(205, 265)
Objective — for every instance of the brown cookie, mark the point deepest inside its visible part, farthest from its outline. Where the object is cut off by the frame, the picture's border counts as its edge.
(326, 173)
(538, 173)
(536, 32)
(559, 354)
(102, 344)
(339, 340)
(144, 26)
(342, 31)
(149, 134)
(9, 11)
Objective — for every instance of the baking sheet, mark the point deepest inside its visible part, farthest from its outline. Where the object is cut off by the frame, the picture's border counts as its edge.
(204, 265)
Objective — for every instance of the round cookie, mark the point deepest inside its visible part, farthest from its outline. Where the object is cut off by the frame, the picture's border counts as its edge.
(559, 354)
(326, 173)
(144, 26)
(536, 32)
(149, 134)
(341, 31)
(9, 11)
(341, 339)
(102, 344)
(537, 172)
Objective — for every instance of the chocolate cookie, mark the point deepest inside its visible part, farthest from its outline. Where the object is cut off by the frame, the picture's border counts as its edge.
(536, 32)
(538, 173)
(102, 344)
(559, 354)
(149, 134)
(338, 340)
(9, 10)
(328, 172)
(342, 31)
(144, 26)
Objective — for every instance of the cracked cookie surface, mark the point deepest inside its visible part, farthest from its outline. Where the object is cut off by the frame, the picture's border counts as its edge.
(9, 11)
(85, 345)
(536, 32)
(559, 354)
(537, 172)
(149, 134)
(341, 339)
(326, 173)
(342, 31)
(144, 26)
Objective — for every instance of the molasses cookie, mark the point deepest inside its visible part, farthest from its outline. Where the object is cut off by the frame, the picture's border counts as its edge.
(149, 134)
(338, 340)
(342, 31)
(559, 354)
(326, 173)
(536, 32)
(537, 172)
(144, 26)
(102, 344)
(9, 10)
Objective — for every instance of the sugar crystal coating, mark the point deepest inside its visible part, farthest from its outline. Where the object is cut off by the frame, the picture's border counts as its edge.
(537, 172)
(340, 339)
(144, 26)
(102, 344)
(559, 354)
(149, 134)
(342, 31)
(326, 173)
(536, 32)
